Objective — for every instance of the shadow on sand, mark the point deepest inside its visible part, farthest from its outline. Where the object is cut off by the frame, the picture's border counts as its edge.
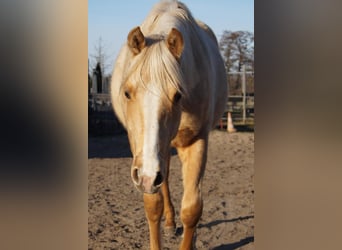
(217, 222)
(230, 246)
(235, 245)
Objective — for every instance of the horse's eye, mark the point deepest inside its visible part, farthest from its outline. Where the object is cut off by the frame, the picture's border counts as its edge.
(128, 96)
(177, 97)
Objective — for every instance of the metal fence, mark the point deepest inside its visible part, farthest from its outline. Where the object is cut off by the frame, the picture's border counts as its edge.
(101, 117)
(102, 120)
(240, 103)
(241, 98)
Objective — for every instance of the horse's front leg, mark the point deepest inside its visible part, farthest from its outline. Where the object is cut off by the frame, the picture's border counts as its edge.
(169, 211)
(193, 160)
(153, 204)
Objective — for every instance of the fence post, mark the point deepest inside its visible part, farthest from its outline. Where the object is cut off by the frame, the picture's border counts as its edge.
(244, 94)
(94, 84)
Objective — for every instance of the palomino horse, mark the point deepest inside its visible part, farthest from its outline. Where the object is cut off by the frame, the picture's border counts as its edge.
(169, 89)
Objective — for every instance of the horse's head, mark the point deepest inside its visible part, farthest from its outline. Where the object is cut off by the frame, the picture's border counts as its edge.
(152, 99)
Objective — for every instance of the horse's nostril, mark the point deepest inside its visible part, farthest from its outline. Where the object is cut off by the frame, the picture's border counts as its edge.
(135, 176)
(159, 180)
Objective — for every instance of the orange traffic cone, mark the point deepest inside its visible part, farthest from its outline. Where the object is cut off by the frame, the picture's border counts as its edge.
(230, 125)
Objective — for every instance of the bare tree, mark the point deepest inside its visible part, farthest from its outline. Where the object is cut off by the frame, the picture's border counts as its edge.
(237, 48)
(101, 57)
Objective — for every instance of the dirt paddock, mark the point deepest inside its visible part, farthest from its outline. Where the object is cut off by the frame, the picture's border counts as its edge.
(116, 213)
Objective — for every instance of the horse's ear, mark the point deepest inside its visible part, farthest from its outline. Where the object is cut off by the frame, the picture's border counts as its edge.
(136, 40)
(175, 43)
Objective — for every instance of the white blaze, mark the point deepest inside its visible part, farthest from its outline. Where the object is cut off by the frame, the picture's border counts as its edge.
(151, 127)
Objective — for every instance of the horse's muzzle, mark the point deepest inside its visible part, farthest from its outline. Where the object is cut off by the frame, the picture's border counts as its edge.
(147, 184)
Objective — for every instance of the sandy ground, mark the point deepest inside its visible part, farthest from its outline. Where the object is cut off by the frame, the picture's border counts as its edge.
(116, 213)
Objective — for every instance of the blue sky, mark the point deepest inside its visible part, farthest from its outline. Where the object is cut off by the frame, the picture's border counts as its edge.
(113, 19)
